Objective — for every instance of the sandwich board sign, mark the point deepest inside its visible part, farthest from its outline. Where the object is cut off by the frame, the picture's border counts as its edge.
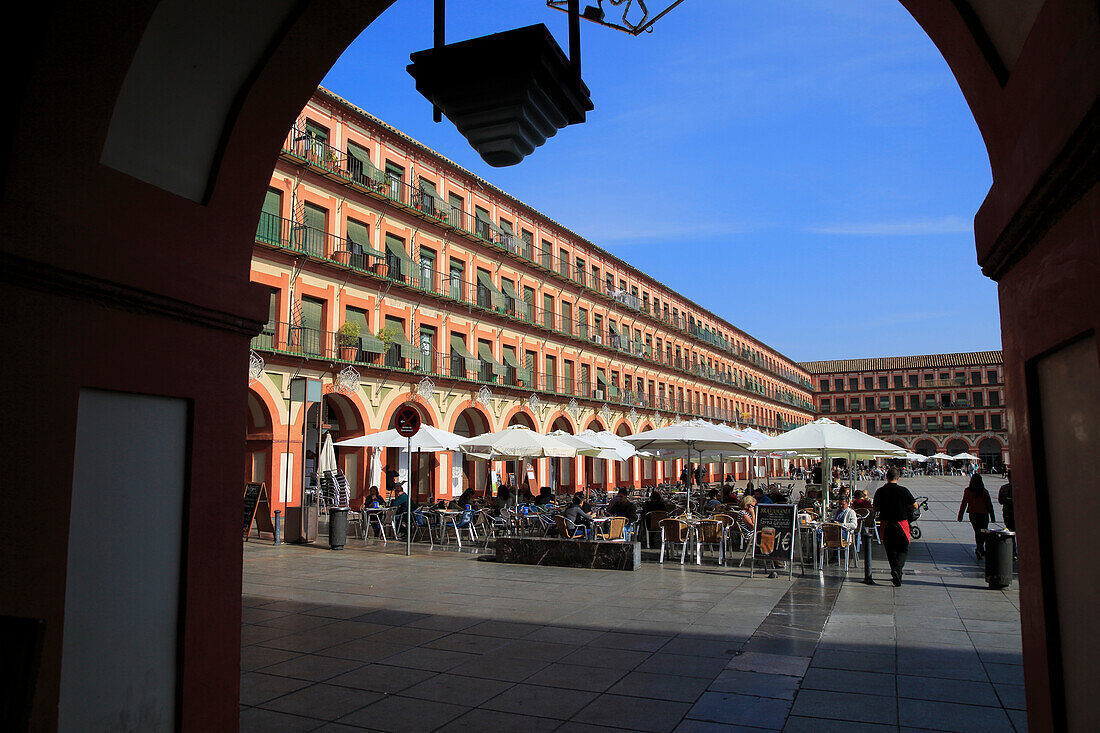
(775, 535)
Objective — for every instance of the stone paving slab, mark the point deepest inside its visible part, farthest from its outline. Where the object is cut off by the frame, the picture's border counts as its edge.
(368, 639)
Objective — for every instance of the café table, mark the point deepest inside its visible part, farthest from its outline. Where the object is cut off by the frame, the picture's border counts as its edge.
(374, 514)
(449, 516)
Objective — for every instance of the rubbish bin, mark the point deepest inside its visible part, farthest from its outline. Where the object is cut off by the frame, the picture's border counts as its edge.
(998, 557)
(337, 528)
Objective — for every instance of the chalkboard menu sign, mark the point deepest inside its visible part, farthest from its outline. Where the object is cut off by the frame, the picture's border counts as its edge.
(257, 507)
(775, 534)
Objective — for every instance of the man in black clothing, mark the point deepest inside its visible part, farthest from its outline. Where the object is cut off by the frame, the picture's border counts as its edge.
(622, 506)
(892, 504)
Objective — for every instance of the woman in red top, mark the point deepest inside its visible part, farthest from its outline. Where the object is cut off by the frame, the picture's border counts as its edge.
(977, 503)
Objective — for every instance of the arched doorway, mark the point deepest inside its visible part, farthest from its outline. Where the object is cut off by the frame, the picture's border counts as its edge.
(475, 473)
(991, 454)
(595, 469)
(624, 471)
(925, 447)
(956, 446)
(562, 476)
(259, 442)
(420, 470)
(520, 473)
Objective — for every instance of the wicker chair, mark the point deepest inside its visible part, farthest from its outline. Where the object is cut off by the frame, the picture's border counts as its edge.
(652, 523)
(611, 529)
(673, 530)
(710, 532)
(837, 538)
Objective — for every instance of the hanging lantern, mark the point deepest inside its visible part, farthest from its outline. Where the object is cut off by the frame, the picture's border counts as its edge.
(506, 92)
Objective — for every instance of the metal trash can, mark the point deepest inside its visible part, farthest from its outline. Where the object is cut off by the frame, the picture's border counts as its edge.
(998, 557)
(337, 528)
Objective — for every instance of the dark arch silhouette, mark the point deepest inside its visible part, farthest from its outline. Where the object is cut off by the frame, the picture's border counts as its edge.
(116, 239)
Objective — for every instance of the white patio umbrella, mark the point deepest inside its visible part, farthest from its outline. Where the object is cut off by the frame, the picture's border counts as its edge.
(829, 438)
(589, 443)
(694, 435)
(754, 436)
(427, 439)
(941, 456)
(965, 457)
(518, 441)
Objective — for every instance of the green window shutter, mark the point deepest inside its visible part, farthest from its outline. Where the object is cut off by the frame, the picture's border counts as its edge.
(269, 229)
(485, 351)
(458, 345)
(496, 297)
(312, 310)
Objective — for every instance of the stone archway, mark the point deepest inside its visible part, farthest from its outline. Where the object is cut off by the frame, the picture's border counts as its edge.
(991, 454)
(925, 447)
(1027, 70)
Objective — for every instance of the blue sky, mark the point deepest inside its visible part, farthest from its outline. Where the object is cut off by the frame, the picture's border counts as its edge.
(806, 169)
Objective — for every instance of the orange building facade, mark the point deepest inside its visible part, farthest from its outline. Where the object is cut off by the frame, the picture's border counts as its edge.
(396, 276)
(937, 403)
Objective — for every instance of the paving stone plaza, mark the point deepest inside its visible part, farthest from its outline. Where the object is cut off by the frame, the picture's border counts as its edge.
(370, 639)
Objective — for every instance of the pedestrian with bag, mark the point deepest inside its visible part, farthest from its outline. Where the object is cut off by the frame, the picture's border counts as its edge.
(979, 506)
(894, 505)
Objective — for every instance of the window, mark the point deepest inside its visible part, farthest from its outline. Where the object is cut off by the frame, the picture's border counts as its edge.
(915, 421)
(868, 383)
(457, 210)
(869, 404)
(945, 399)
(994, 398)
(395, 174)
(456, 284)
(824, 385)
(567, 377)
(884, 403)
(315, 219)
(826, 405)
(567, 317)
(853, 404)
(563, 262)
(897, 381)
(427, 269)
(398, 262)
(856, 424)
(853, 384)
(529, 303)
(912, 380)
(979, 422)
(975, 377)
(548, 311)
(991, 376)
(900, 425)
(978, 399)
(943, 376)
(546, 255)
(528, 244)
(427, 348)
(899, 402)
(994, 422)
(932, 422)
(481, 222)
(948, 422)
(316, 132)
(870, 425)
(269, 228)
(597, 328)
(582, 323)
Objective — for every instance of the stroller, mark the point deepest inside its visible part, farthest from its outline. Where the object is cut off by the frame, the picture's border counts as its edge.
(922, 506)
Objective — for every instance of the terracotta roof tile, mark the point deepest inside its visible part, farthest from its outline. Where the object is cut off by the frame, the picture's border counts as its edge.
(889, 363)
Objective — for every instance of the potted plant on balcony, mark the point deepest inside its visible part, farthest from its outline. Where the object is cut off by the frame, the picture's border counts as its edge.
(386, 335)
(347, 339)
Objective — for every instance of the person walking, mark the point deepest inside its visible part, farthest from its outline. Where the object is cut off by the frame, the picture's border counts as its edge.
(892, 505)
(979, 506)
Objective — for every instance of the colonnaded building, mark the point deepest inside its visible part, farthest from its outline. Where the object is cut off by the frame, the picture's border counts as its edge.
(936, 403)
(397, 276)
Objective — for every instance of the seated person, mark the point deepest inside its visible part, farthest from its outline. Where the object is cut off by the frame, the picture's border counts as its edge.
(577, 515)
(544, 497)
(466, 498)
(712, 500)
(747, 511)
(729, 494)
(622, 506)
(654, 503)
(525, 496)
(503, 500)
(861, 501)
(374, 499)
(761, 497)
(400, 498)
(845, 515)
(585, 504)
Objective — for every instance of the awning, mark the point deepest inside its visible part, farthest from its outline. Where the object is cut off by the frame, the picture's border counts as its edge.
(458, 345)
(509, 289)
(407, 349)
(358, 235)
(495, 296)
(370, 343)
(428, 188)
(601, 379)
(397, 248)
(510, 359)
(613, 330)
(486, 353)
(360, 156)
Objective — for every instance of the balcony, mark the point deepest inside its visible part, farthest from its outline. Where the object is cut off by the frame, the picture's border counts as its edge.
(337, 165)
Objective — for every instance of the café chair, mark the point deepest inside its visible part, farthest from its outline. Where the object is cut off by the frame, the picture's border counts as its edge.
(837, 538)
(611, 530)
(568, 530)
(709, 532)
(652, 523)
(674, 531)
